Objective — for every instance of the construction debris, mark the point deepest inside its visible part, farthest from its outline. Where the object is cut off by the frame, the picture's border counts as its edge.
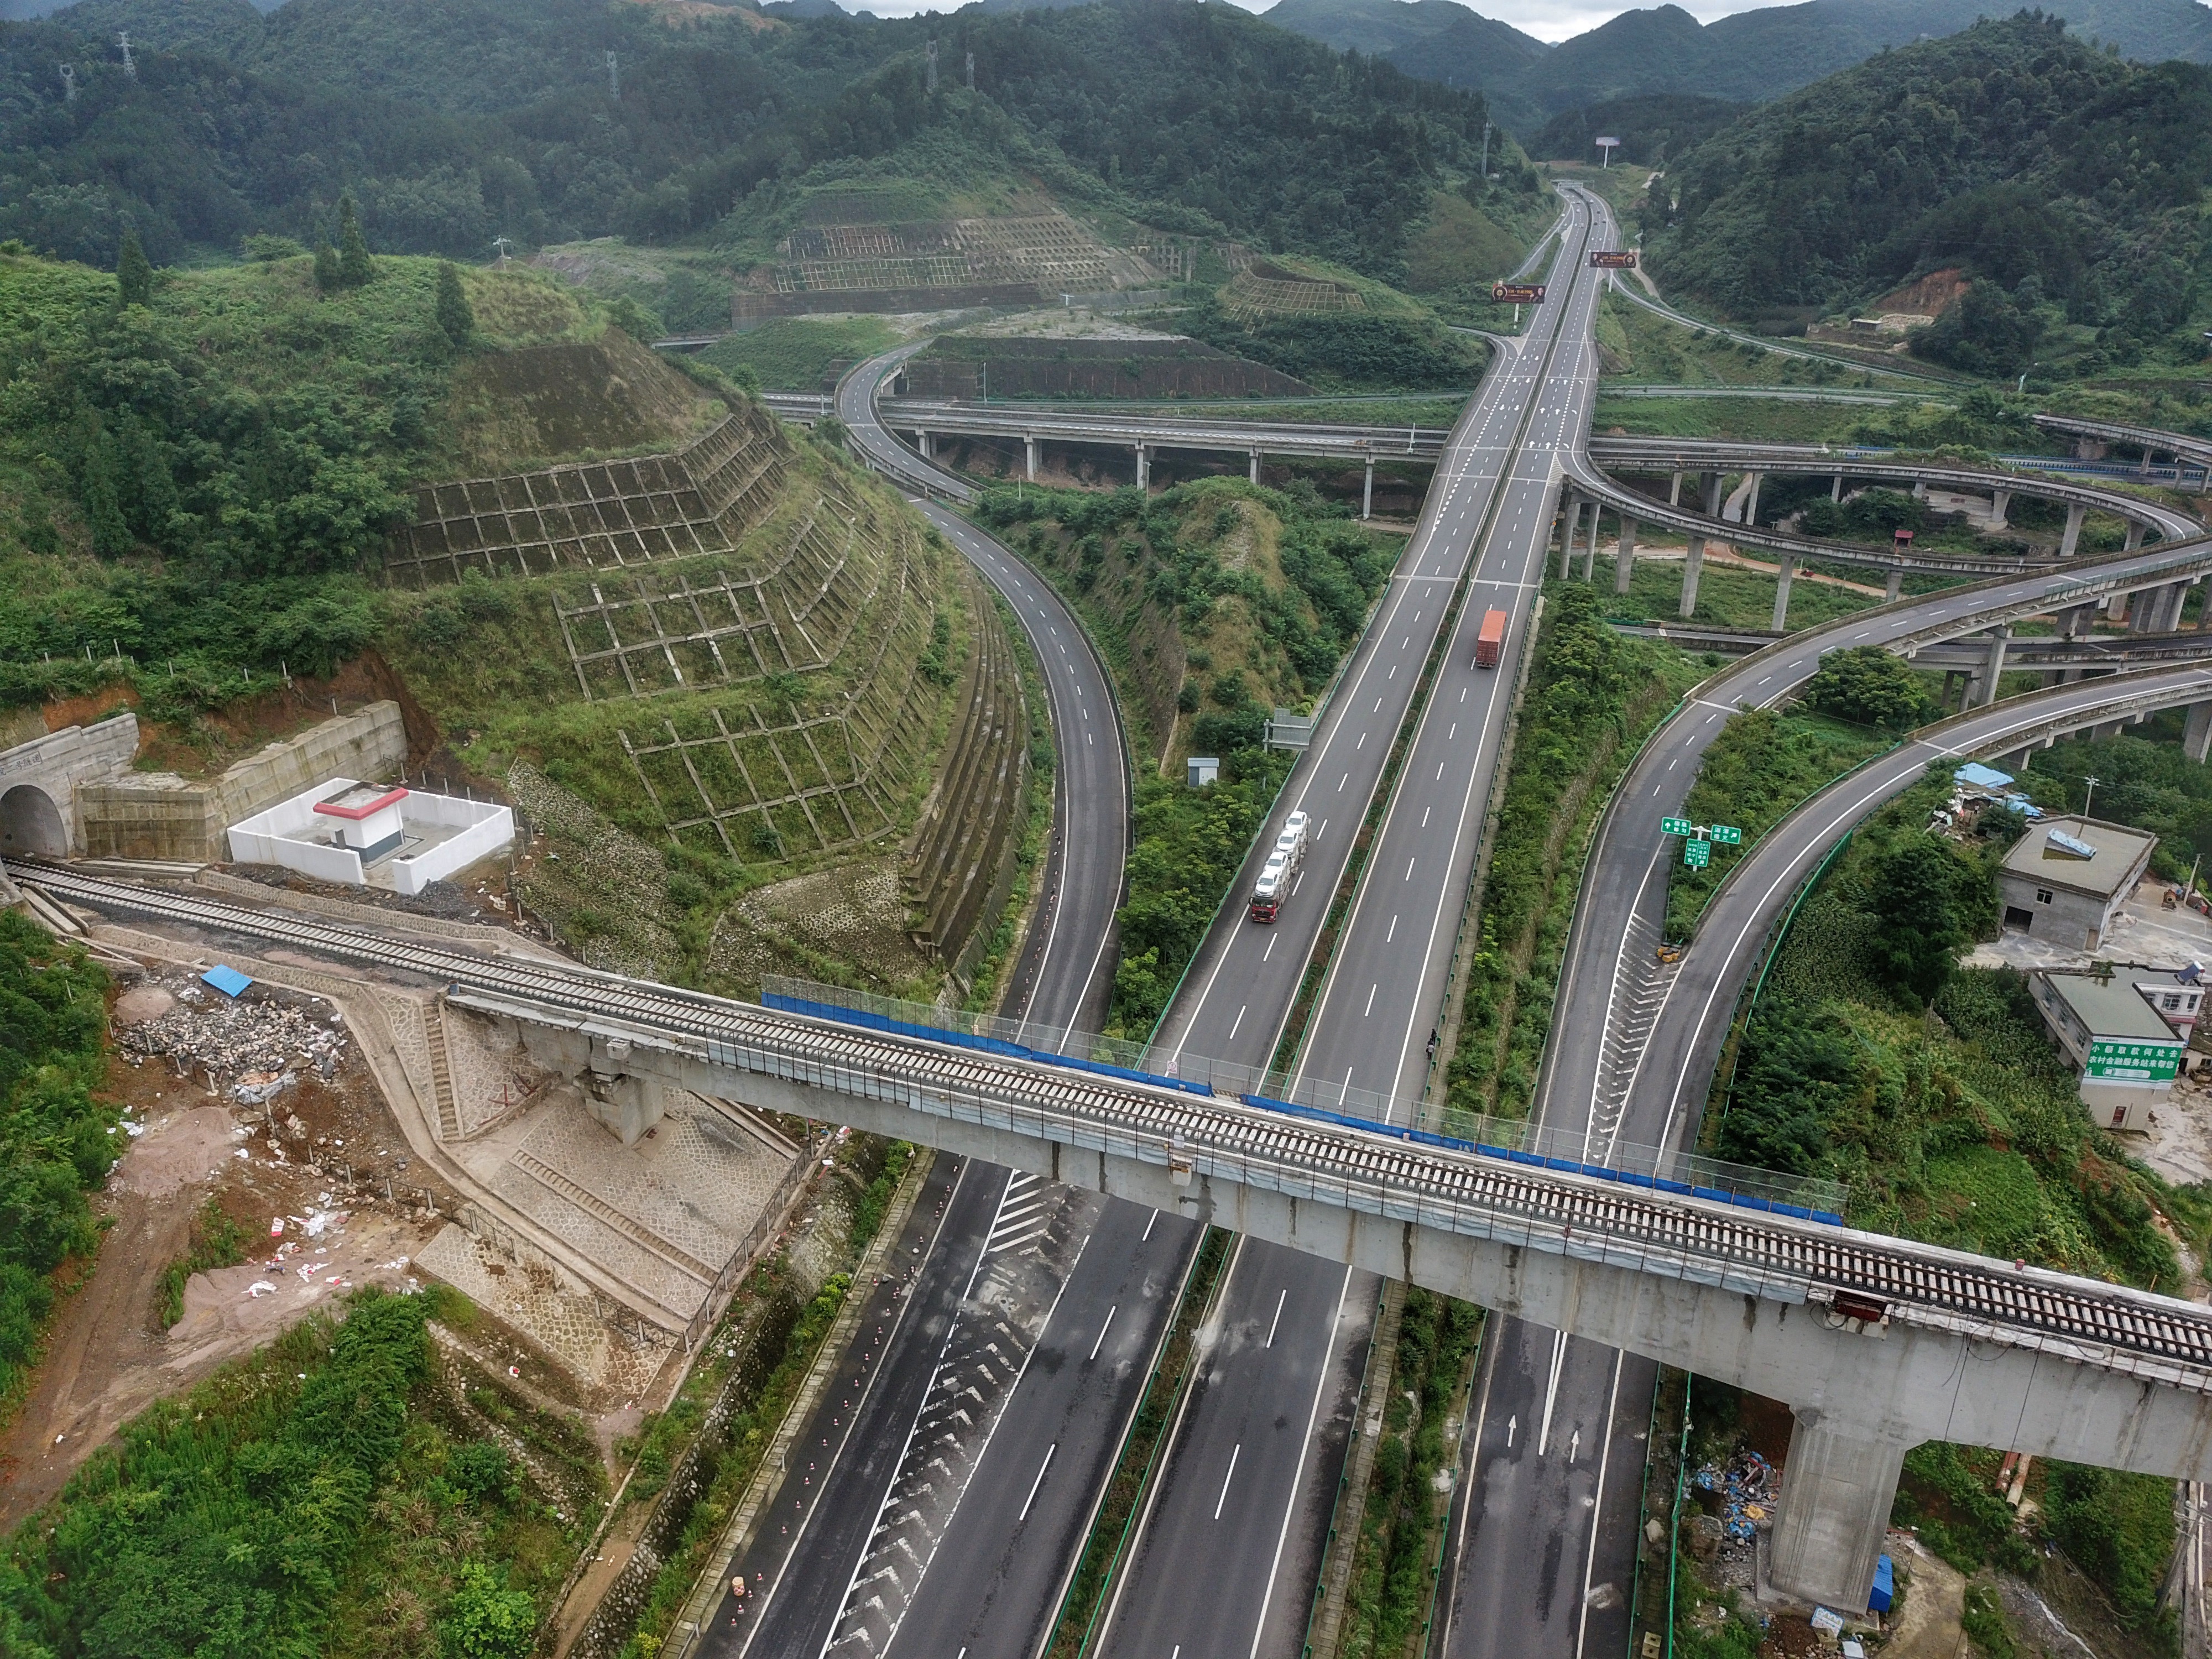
(1748, 1489)
(257, 1046)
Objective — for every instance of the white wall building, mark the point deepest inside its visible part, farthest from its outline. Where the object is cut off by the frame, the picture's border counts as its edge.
(365, 835)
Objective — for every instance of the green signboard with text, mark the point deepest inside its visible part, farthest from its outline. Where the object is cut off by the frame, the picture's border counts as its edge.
(1697, 854)
(2116, 1060)
(1676, 826)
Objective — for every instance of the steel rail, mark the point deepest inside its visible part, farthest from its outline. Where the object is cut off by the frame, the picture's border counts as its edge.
(1493, 1196)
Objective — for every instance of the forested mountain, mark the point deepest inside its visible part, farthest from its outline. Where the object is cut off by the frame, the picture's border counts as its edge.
(1750, 56)
(1651, 129)
(2065, 181)
(455, 121)
(1436, 40)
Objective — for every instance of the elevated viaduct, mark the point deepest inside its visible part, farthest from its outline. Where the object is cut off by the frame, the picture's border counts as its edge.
(1876, 1343)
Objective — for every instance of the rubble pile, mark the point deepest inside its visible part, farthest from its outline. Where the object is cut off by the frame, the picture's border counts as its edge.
(1748, 1489)
(254, 1046)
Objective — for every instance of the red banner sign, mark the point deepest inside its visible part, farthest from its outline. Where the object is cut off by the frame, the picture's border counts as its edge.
(1612, 259)
(1518, 294)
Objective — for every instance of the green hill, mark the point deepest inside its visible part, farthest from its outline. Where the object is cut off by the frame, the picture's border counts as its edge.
(1747, 58)
(455, 121)
(1650, 129)
(2067, 182)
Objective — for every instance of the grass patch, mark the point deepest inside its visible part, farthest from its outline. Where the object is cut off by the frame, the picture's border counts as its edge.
(216, 1241)
(1731, 597)
(1400, 1524)
(800, 353)
(57, 1140)
(328, 1494)
(1768, 420)
(1759, 767)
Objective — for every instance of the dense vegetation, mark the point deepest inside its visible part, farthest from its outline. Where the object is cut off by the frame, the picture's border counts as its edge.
(1752, 774)
(455, 123)
(56, 1140)
(2067, 182)
(1964, 1128)
(1344, 350)
(1650, 128)
(1264, 591)
(325, 1495)
(1665, 50)
(193, 483)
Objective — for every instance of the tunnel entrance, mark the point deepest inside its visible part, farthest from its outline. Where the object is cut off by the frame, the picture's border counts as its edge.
(31, 825)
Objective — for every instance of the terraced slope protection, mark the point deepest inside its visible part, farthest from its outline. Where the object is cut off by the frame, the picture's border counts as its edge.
(740, 651)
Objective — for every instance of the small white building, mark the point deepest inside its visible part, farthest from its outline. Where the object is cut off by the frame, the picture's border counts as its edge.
(2124, 1048)
(365, 835)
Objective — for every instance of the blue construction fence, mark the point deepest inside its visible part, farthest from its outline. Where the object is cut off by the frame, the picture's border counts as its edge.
(1511, 1140)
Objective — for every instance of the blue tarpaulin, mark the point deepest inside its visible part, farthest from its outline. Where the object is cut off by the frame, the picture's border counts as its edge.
(1885, 1586)
(229, 980)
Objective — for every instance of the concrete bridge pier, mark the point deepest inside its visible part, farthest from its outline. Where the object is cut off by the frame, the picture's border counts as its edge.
(2074, 515)
(1992, 671)
(1892, 585)
(1712, 494)
(1569, 524)
(1254, 475)
(1029, 447)
(2000, 500)
(1589, 542)
(926, 441)
(2074, 620)
(1366, 489)
(1781, 593)
(1693, 567)
(1751, 501)
(1624, 562)
(2196, 735)
(2135, 536)
(1836, 489)
(2116, 609)
(1144, 466)
(1674, 491)
(1835, 1510)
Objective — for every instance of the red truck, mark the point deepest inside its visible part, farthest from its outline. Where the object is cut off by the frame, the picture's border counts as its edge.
(1491, 641)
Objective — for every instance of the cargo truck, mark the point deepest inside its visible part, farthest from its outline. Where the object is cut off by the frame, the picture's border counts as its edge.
(1277, 874)
(1491, 641)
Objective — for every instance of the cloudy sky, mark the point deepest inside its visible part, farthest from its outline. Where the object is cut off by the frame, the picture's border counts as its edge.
(1547, 20)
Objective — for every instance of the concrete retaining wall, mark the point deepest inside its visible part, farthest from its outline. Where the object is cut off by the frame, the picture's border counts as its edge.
(158, 815)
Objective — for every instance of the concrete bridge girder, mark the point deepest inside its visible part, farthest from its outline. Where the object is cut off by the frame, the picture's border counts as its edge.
(1862, 1394)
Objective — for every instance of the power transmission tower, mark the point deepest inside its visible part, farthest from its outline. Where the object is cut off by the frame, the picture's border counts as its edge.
(1486, 149)
(614, 78)
(932, 58)
(69, 83)
(971, 72)
(129, 67)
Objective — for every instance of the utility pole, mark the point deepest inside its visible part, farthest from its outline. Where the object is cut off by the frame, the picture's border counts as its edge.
(129, 68)
(2090, 794)
(614, 77)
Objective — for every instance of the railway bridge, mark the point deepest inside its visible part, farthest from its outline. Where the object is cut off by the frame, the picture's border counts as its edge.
(1877, 1344)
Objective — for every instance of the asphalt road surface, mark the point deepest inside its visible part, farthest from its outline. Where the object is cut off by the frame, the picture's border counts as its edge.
(1204, 1575)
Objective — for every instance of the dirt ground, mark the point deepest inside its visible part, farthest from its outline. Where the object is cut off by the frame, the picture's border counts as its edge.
(336, 1150)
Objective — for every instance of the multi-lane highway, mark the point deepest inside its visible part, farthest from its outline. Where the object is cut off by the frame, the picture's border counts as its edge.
(994, 1575)
(1556, 1447)
(1226, 1558)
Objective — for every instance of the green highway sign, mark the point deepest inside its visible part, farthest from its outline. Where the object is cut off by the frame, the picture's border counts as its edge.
(1676, 826)
(1727, 835)
(2119, 1061)
(1697, 854)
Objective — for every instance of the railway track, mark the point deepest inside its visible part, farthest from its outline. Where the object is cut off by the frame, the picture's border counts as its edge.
(1519, 1199)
